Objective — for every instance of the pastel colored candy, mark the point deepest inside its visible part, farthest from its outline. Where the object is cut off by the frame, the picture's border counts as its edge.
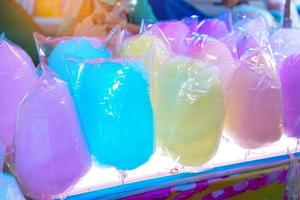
(290, 79)
(116, 113)
(175, 38)
(48, 132)
(190, 110)
(17, 71)
(78, 49)
(253, 115)
(151, 49)
(9, 189)
(212, 27)
(214, 52)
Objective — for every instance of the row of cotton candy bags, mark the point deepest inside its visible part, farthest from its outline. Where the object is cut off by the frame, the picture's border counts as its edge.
(210, 79)
(190, 69)
(39, 128)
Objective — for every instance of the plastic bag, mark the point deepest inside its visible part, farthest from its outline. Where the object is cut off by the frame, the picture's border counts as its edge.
(79, 47)
(9, 188)
(254, 114)
(56, 50)
(292, 191)
(48, 132)
(153, 49)
(218, 27)
(285, 42)
(213, 52)
(290, 77)
(244, 37)
(17, 72)
(189, 111)
(114, 105)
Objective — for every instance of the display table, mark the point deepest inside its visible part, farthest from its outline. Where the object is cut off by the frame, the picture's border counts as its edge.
(251, 175)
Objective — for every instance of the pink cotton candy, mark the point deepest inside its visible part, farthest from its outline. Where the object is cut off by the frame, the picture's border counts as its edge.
(212, 27)
(50, 154)
(254, 115)
(16, 74)
(176, 33)
(212, 51)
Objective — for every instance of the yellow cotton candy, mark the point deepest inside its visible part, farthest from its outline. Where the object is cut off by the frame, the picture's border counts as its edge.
(190, 110)
(152, 50)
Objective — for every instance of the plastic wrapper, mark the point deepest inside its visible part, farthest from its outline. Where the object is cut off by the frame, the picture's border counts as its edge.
(254, 114)
(77, 47)
(179, 39)
(218, 27)
(116, 114)
(56, 50)
(244, 36)
(17, 72)
(176, 33)
(213, 52)
(150, 47)
(290, 77)
(9, 189)
(190, 110)
(285, 42)
(292, 191)
(48, 132)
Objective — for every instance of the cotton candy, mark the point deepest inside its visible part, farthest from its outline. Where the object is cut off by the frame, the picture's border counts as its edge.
(254, 115)
(190, 110)
(116, 113)
(48, 133)
(17, 72)
(290, 78)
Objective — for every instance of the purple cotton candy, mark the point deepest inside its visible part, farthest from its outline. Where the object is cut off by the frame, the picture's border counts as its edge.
(176, 33)
(290, 81)
(212, 27)
(50, 154)
(16, 74)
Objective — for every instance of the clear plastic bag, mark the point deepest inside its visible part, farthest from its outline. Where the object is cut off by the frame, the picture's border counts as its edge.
(152, 48)
(254, 112)
(76, 48)
(292, 191)
(17, 72)
(244, 36)
(48, 132)
(285, 42)
(218, 27)
(115, 110)
(212, 52)
(189, 111)
(56, 50)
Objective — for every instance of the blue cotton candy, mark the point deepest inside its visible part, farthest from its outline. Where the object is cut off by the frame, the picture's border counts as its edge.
(116, 113)
(78, 49)
(9, 188)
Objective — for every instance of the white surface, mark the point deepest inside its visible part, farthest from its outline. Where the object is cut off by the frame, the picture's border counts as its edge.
(158, 165)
